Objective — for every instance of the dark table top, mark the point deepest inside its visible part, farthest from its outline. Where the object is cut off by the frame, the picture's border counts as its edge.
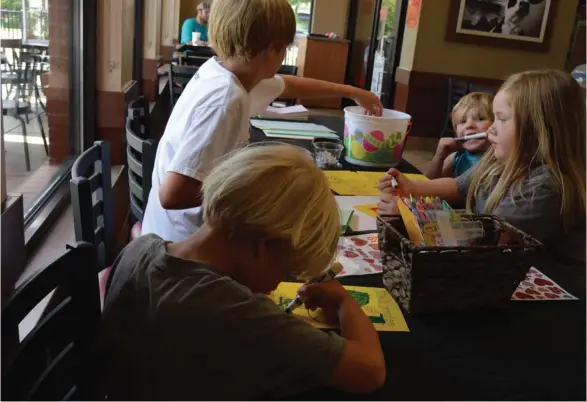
(525, 351)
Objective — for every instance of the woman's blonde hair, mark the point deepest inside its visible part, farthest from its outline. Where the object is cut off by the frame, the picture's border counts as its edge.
(549, 114)
(480, 101)
(242, 29)
(276, 191)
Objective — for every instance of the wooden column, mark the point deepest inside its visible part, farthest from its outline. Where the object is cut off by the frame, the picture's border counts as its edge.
(151, 47)
(115, 66)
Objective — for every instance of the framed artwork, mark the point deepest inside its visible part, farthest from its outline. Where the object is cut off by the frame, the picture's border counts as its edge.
(515, 24)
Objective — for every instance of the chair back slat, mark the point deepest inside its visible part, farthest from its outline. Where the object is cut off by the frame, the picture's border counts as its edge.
(54, 361)
(136, 208)
(134, 165)
(136, 189)
(91, 183)
(95, 181)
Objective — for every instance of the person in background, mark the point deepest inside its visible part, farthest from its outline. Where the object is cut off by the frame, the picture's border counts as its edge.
(211, 117)
(534, 174)
(198, 24)
(189, 320)
(471, 115)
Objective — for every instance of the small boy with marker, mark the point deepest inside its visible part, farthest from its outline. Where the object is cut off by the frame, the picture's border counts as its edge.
(190, 320)
(471, 117)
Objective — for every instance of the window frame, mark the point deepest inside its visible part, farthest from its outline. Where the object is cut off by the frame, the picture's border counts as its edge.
(49, 205)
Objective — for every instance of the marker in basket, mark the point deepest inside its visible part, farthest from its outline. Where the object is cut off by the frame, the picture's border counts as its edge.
(471, 137)
(328, 275)
(394, 182)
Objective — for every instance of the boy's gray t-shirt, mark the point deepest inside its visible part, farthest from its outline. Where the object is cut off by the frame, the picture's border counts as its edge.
(174, 329)
(535, 209)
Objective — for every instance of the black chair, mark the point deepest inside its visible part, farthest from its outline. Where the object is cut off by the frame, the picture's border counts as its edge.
(195, 56)
(140, 154)
(55, 361)
(179, 77)
(287, 70)
(456, 90)
(19, 104)
(91, 198)
(480, 88)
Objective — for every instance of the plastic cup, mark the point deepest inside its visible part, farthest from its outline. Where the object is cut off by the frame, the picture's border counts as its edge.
(327, 154)
(196, 37)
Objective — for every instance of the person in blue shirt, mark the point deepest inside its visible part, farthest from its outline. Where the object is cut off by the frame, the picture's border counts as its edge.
(198, 24)
(471, 115)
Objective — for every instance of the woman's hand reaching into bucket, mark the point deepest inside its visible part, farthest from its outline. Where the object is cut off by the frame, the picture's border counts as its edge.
(368, 101)
(396, 184)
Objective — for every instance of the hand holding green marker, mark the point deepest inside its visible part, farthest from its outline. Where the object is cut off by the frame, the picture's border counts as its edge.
(328, 275)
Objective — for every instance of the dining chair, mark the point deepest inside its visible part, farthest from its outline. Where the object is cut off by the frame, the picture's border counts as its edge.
(91, 198)
(19, 105)
(179, 77)
(456, 90)
(140, 153)
(56, 359)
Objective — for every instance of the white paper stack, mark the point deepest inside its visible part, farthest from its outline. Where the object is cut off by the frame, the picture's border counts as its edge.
(297, 112)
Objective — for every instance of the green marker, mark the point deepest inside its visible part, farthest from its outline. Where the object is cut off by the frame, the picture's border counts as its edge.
(328, 275)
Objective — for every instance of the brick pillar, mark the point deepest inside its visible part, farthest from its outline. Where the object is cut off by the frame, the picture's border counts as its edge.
(57, 92)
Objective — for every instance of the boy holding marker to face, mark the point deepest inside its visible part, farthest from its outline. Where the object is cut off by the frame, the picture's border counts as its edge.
(471, 117)
(188, 320)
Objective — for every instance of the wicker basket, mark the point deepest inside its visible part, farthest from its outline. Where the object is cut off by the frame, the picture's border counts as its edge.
(436, 279)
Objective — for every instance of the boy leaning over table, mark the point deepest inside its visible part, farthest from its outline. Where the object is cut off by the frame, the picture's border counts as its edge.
(211, 117)
(188, 321)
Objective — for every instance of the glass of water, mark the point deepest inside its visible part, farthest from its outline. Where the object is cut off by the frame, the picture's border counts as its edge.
(327, 154)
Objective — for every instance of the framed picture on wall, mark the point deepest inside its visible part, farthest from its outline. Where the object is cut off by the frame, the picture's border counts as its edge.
(516, 24)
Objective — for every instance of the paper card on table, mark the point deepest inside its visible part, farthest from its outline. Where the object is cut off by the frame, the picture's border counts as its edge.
(369, 209)
(537, 286)
(289, 126)
(377, 303)
(345, 219)
(373, 177)
(360, 222)
(359, 255)
(345, 182)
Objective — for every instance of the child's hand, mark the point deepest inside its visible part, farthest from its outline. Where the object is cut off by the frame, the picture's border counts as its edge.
(368, 101)
(387, 204)
(446, 146)
(404, 185)
(327, 295)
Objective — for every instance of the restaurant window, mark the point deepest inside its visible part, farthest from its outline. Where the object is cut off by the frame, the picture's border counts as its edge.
(303, 12)
(48, 83)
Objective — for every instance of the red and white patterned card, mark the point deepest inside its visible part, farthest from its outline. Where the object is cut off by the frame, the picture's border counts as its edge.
(538, 286)
(359, 255)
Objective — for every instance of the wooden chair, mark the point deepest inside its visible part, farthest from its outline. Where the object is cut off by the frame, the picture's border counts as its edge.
(91, 198)
(55, 361)
(179, 77)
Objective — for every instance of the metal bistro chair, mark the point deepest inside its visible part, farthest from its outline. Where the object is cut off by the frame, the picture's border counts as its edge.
(179, 77)
(56, 359)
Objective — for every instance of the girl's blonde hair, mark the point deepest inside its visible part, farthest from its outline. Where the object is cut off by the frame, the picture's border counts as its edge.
(242, 29)
(276, 191)
(549, 114)
(480, 101)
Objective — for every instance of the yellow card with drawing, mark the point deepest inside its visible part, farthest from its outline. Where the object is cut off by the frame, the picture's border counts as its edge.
(345, 182)
(377, 303)
(368, 209)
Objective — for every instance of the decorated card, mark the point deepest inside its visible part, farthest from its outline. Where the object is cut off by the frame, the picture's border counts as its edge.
(537, 286)
(359, 255)
(377, 303)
